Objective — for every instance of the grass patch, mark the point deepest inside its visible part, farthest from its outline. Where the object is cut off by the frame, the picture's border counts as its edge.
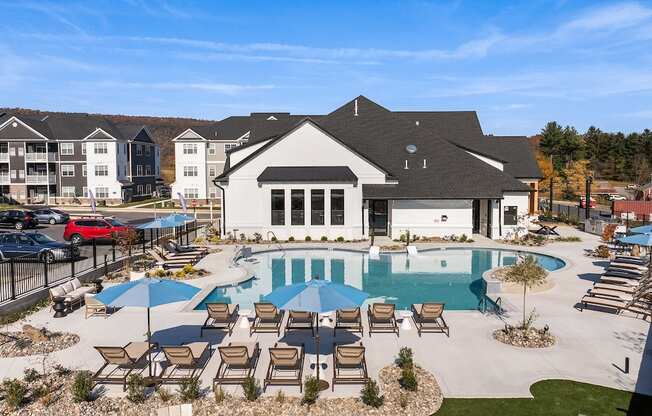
(552, 398)
(142, 201)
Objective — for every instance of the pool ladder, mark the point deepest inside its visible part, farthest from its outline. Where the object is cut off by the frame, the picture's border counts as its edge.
(277, 242)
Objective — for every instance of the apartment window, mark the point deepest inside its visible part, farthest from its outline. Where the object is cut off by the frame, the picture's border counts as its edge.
(67, 149)
(21, 173)
(139, 170)
(85, 191)
(212, 148)
(68, 191)
(139, 150)
(190, 171)
(21, 151)
(510, 215)
(278, 207)
(148, 150)
(12, 151)
(317, 207)
(101, 148)
(211, 171)
(189, 149)
(212, 193)
(139, 189)
(148, 189)
(101, 170)
(229, 146)
(83, 148)
(148, 170)
(83, 170)
(191, 193)
(12, 174)
(67, 170)
(102, 192)
(297, 205)
(337, 206)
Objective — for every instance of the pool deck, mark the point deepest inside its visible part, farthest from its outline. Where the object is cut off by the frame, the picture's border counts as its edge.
(591, 346)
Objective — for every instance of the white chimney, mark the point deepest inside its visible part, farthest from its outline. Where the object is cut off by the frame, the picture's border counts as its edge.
(355, 107)
(406, 165)
(424, 164)
(416, 122)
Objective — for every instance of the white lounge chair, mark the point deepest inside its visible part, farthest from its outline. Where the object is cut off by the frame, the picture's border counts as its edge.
(412, 251)
(374, 252)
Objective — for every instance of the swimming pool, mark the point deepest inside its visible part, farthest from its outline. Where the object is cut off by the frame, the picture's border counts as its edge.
(453, 276)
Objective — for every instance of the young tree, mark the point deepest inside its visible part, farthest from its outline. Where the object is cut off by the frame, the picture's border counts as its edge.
(527, 273)
(126, 241)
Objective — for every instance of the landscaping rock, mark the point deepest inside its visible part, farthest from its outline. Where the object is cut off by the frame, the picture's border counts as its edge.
(525, 338)
(20, 344)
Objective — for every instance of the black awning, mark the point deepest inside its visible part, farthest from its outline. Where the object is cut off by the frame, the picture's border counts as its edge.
(298, 174)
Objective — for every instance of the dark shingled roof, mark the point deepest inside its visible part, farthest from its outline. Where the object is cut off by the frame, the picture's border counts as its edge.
(519, 155)
(325, 174)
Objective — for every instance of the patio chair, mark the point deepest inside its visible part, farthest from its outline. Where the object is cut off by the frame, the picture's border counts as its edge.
(429, 317)
(634, 305)
(626, 281)
(348, 319)
(268, 319)
(300, 320)
(175, 247)
(238, 362)
(124, 360)
(220, 316)
(349, 365)
(381, 318)
(168, 264)
(183, 361)
(94, 307)
(169, 256)
(285, 366)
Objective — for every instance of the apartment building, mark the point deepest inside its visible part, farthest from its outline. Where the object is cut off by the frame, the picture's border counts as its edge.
(58, 158)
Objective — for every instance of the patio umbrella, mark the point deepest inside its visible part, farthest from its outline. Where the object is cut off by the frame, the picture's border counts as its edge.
(316, 296)
(178, 219)
(643, 229)
(157, 223)
(644, 240)
(147, 293)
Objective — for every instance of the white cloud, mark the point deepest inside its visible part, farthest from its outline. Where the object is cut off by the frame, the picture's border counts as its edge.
(612, 17)
(639, 114)
(228, 89)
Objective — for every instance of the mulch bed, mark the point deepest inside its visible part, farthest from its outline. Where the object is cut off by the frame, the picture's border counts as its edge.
(530, 338)
(17, 344)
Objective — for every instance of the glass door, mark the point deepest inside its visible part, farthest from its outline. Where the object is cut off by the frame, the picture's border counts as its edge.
(378, 216)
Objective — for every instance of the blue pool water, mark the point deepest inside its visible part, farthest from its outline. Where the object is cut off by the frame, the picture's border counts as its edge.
(453, 276)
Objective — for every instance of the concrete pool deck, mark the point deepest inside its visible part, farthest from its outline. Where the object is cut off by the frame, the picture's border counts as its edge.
(591, 345)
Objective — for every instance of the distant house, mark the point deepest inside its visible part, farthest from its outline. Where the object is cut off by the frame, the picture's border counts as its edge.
(365, 167)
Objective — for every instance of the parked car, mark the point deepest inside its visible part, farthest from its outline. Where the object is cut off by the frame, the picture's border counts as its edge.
(52, 216)
(583, 202)
(83, 229)
(18, 219)
(35, 245)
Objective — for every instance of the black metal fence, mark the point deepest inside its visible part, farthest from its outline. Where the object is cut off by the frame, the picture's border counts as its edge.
(21, 275)
(572, 213)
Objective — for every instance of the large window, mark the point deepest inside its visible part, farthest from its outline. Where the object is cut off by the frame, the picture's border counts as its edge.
(211, 171)
(337, 206)
(190, 171)
(189, 149)
(139, 150)
(317, 207)
(101, 148)
(68, 191)
(278, 207)
(101, 192)
(212, 148)
(297, 204)
(66, 149)
(191, 193)
(101, 170)
(229, 146)
(510, 215)
(139, 170)
(83, 148)
(67, 170)
(148, 170)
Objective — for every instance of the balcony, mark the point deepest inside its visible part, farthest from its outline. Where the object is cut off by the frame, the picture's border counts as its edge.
(4, 179)
(4, 157)
(40, 157)
(40, 179)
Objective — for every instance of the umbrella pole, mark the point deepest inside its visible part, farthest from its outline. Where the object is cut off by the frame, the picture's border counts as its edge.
(149, 345)
(323, 384)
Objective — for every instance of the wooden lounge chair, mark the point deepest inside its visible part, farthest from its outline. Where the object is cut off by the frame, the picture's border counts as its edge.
(628, 266)
(300, 320)
(629, 272)
(348, 319)
(220, 316)
(628, 281)
(183, 361)
(381, 318)
(349, 365)
(633, 306)
(173, 247)
(285, 366)
(166, 255)
(429, 317)
(123, 360)
(238, 362)
(268, 319)
(168, 264)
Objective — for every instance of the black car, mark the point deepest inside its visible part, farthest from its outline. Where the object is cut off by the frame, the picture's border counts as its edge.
(18, 219)
(35, 245)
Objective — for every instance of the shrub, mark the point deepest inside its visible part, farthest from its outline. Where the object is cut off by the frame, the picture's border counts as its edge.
(39, 392)
(408, 379)
(403, 400)
(31, 375)
(15, 392)
(570, 239)
(258, 237)
(370, 394)
(189, 389)
(61, 370)
(220, 395)
(243, 237)
(215, 239)
(608, 232)
(402, 238)
(160, 273)
(405, 358)
(324, 238)
(340, 239)
(82, 387)
(188, 269)
(280, 397)
(251, 389)
(136, 388)
(308, 238)
(310, 390)
(463, 238)
(290, 238)
(164, 394)
(180, 274)
(274, 240)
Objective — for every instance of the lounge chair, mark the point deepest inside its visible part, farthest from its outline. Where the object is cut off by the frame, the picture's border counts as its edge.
(628, 266)
(94, 307)
(238, 362)
(348, 319)
(632, 272)
(429, 317)
(412, 251)
(173, 247)
(628, 281)
(349, 365)
(183, 361)
(168, 264)
(381, 318)
(300, 320)
(220, 316)
(285, 366)
(632, 306)
(268, 319)
(374, 252)
(124, 359)
(173, 256)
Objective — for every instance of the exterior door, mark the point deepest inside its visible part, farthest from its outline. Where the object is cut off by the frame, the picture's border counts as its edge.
(378, 217)
(489, 216)
(476, 216)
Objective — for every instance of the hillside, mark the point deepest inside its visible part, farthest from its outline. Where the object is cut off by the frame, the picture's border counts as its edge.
(164, 129)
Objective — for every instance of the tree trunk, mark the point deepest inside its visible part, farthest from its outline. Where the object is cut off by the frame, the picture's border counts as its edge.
(524, 289)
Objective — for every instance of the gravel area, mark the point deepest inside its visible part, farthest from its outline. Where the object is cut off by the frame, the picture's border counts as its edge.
(18, 344)
(530, 338)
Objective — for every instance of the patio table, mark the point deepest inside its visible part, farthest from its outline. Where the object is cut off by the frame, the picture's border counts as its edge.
(404, 317)
(244, 315)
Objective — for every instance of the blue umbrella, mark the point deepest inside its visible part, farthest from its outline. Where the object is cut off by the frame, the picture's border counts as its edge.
(147, 293)
(316, 296)
(178, 219)
(644, 240)
(157, 223)
(643, 229)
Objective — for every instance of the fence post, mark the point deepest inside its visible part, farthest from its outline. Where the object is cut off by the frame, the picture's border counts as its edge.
(151, 239)
(12, 272)
(156, 237)
(72, 268)
(187, 232)
(45, 273)
(94, 254)
(113, 249)
(106, 264)
(144, 243)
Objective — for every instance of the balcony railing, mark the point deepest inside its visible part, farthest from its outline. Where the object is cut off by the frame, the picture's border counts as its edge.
(4, 157)
(40, 157)
(40, 179)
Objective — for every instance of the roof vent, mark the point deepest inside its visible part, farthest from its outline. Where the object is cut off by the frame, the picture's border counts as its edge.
(425, 165)
(406, 164)
(45, 118)
(416, 122)
(355, 108)
(271, 118)
(14, 124)
(411, 148)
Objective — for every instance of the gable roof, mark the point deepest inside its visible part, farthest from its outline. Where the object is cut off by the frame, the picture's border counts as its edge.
(295, 174)
(518, 152)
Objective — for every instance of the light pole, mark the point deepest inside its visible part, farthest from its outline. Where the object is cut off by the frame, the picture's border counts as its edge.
(587, 200)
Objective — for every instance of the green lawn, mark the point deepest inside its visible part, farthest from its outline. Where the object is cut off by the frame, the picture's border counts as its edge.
(552, 398)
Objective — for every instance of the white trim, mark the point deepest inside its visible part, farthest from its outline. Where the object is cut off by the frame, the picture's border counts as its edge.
(98, 130)
(200, 138)
(14, 118)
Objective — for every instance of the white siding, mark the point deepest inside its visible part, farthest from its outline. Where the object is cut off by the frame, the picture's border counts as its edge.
(236, 156)
(111, 160)
(182, 160)
(426, 217)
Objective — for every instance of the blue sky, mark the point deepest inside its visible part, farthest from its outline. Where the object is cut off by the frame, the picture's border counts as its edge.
(519, 64)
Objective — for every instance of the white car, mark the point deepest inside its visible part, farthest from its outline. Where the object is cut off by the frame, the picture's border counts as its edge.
(617, 197)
